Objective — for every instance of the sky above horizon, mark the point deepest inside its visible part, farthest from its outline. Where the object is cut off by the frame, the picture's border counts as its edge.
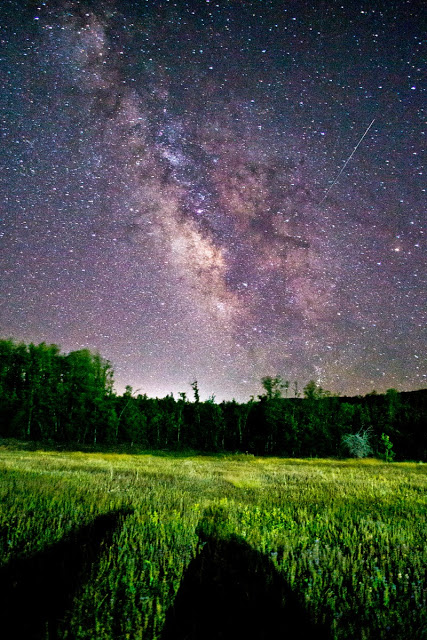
(217, 191)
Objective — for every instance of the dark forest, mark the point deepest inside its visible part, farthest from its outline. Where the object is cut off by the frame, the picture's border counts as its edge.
(69, 399)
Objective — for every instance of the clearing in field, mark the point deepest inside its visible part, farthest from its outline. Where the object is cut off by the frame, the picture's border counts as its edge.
(152, 546)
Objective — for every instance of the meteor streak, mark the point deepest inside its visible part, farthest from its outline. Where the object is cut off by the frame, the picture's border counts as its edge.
(346, 163)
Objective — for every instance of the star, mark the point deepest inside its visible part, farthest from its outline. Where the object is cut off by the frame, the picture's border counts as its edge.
(207, 193)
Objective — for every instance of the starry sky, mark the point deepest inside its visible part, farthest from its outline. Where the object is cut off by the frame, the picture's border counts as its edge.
(217, 191)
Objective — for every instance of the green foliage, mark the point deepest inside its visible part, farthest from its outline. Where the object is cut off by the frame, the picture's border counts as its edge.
(68, 398)
(273, 387)
(386, 452)
(312, 391)
(45, 395)
(348, 536)
(358, 444)
(195, 388)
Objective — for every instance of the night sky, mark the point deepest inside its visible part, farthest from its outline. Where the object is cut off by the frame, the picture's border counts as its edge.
(169, 191)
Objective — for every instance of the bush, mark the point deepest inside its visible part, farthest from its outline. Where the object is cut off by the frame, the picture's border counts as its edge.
(387, 454)
(358, 443)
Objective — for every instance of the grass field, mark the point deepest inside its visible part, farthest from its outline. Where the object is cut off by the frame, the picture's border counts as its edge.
(347, 537)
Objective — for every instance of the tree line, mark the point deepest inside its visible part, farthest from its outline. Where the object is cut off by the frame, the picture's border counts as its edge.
(49, 396)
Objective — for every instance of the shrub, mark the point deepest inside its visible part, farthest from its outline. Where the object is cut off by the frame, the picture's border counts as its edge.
(358, 444)
(387, 454)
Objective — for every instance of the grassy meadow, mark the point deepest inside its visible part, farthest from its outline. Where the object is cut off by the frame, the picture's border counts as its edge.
(348, 537)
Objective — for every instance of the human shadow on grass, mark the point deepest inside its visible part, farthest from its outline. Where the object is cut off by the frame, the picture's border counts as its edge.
(232, 591)
(36, 592)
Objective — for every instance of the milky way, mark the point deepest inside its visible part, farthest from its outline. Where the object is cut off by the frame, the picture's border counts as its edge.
(170, 194)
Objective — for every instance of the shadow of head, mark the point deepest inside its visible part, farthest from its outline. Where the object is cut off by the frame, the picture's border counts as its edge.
(35, 592)
(232, 591)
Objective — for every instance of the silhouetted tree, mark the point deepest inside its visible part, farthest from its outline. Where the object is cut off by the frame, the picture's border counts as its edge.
(272, 386)
(47, 395)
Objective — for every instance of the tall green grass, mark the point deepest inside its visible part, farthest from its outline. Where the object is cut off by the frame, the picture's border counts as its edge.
(348, 536)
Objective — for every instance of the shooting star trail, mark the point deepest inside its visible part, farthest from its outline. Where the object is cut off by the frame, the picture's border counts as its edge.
(346, 163)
